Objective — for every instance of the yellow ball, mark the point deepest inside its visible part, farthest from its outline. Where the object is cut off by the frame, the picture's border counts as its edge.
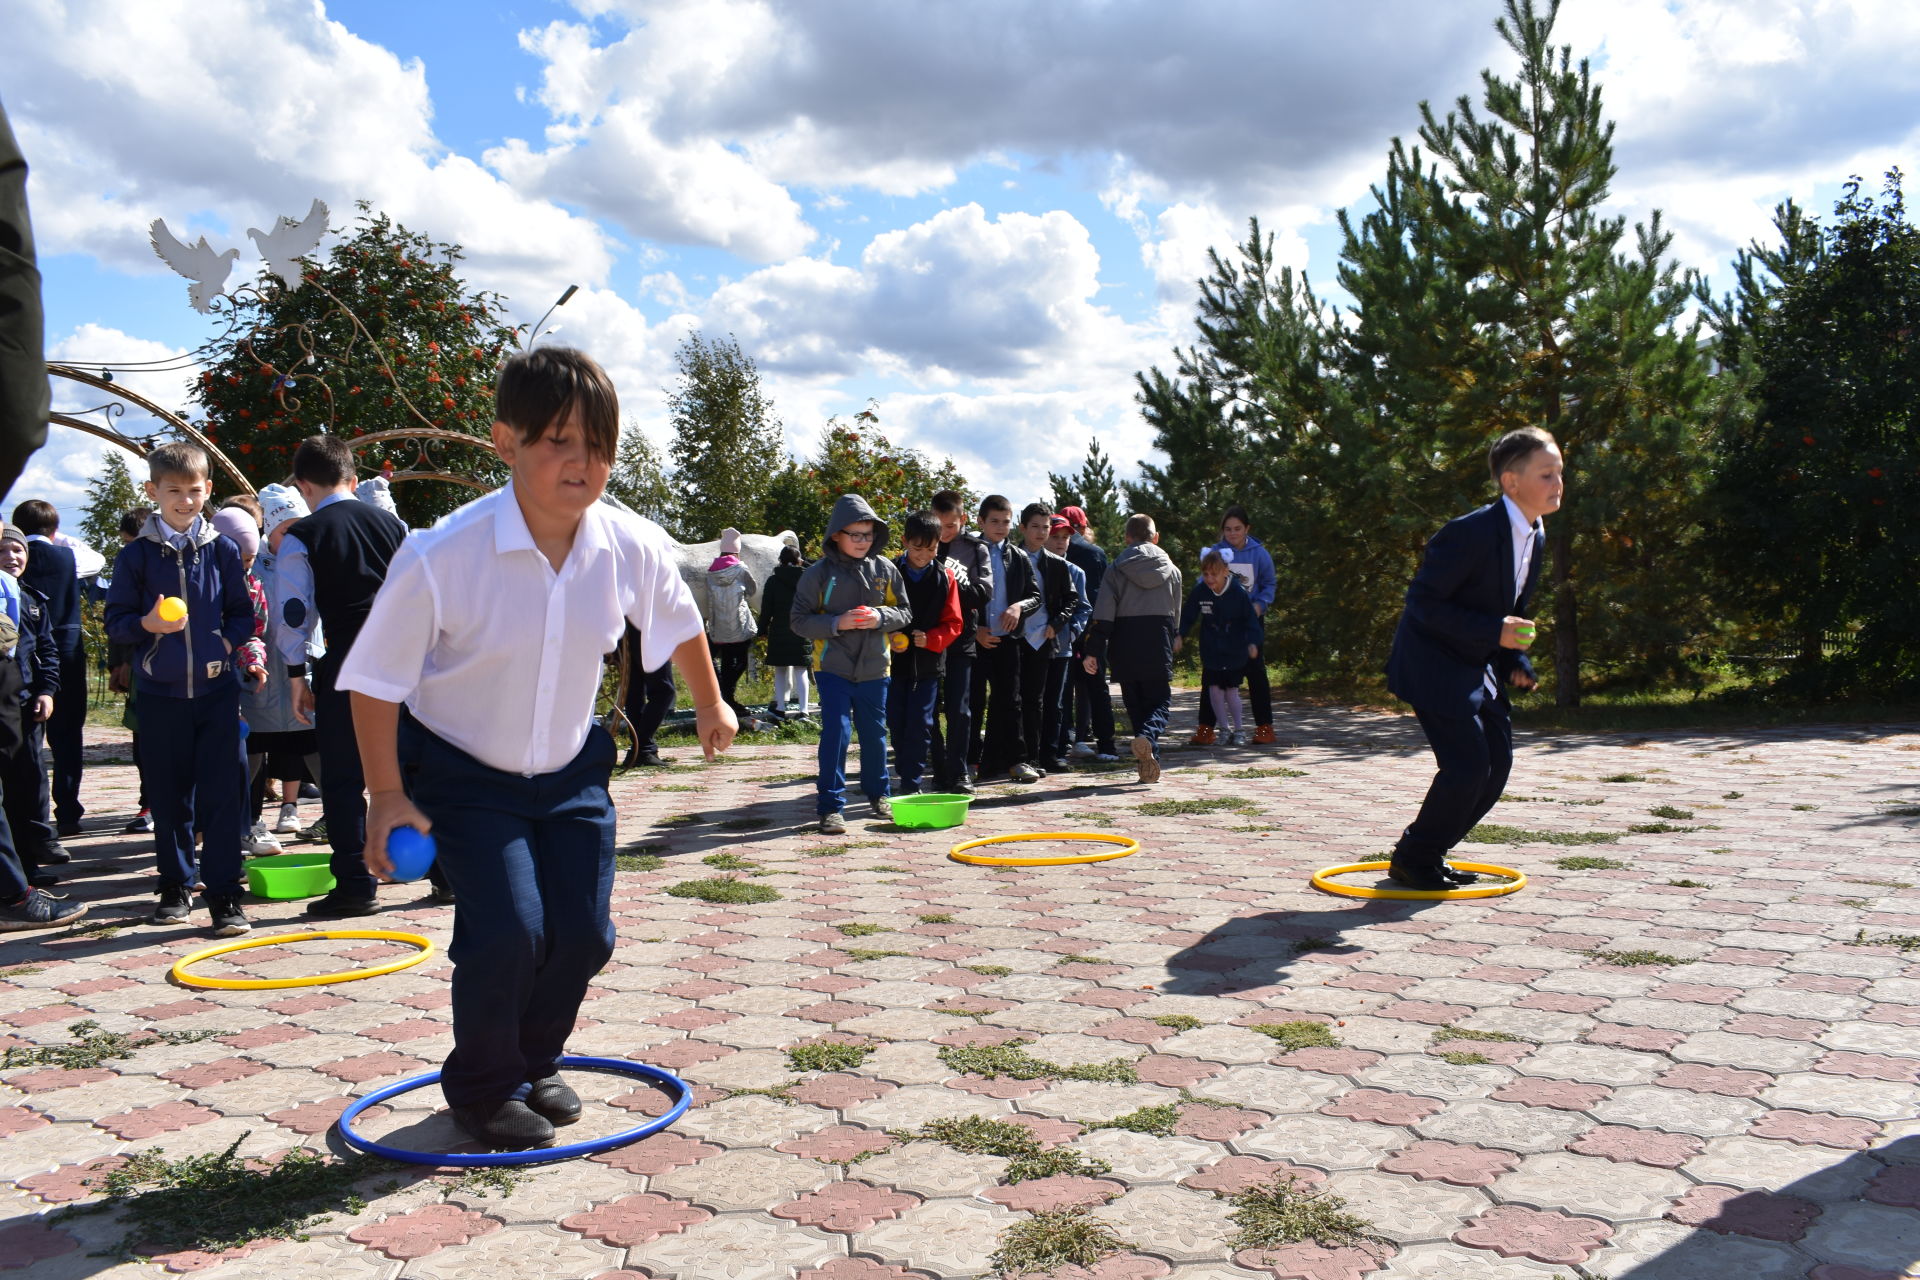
(173, 608)
(899, 641)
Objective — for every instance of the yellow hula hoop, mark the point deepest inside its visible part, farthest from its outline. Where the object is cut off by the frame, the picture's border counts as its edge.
(1515, 881)
(1128, 845)
(180, 966)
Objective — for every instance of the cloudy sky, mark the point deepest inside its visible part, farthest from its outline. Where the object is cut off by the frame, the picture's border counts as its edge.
(983, 214)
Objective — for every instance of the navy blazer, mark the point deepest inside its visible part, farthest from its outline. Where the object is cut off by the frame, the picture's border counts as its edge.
(51, 571)
(1450, 630)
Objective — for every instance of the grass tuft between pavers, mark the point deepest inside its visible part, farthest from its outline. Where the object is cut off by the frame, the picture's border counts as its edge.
(1303, 1033)
(1589, 862)
(722, 889)
(1443, 1034)
(1168, 808)
(827, 1055)
(1046, 1242)
(638, 862)
(1177, 1021)
(219, 1200)
(1286, 1211)
(1012, 1060)
(1157, 1121)
(1029, 1157)
(1898, 941)
(1633, 959)
(90, 1046)
(1495, 833)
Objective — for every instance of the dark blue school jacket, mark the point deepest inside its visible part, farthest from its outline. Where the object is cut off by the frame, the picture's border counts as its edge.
(1227, 621)
(207, 575)
(1449, 632)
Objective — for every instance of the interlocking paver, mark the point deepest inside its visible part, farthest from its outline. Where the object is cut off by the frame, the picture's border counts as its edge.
(1760, 1094)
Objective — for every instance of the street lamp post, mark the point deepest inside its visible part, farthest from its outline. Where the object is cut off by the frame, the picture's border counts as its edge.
(561, 301)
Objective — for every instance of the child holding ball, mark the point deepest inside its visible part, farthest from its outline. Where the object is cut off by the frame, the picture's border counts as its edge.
(473, 686)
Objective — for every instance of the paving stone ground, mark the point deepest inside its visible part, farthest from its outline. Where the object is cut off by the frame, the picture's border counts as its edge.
(1746, 1112)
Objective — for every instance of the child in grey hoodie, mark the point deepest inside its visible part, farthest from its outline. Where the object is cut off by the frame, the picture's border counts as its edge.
(1133, 629)
(847, 603)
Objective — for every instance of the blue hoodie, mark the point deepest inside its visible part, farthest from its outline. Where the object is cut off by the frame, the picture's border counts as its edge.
(198, 658)
(1254, 556)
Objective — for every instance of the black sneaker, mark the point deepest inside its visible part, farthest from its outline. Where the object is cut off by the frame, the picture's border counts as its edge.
(42, 879)
(228, 920)
(337, 906)
(140, 824)
(503, 1126)
(39, 911)
(68, 827)
(176, 901)
(52, 854)
(551, 1098)
(964, 787)
(441, 895)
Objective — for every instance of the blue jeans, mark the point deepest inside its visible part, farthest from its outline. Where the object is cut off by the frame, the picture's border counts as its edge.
(197, 779)
(845, 704)
(910, 718)
(530, 861)
(1148, 703)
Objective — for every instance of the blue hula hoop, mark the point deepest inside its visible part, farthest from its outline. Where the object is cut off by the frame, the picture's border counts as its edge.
(683, 1097)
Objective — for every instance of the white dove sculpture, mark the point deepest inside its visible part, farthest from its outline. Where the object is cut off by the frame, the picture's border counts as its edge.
(197, 262)
(290, 240)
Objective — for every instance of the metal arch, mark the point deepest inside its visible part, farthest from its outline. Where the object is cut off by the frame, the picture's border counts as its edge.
(420, 437)
(138, 448)
(167, 416)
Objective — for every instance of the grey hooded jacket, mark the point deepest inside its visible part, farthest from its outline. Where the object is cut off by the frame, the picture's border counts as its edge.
(835, 583)
(1135, 616)
(729, 604)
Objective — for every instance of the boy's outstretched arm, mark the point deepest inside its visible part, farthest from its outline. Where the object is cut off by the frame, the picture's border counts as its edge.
(376, 723)
(714, 721)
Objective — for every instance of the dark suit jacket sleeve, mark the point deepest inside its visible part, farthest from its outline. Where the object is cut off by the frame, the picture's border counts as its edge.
(1023, 586)
(23, 364)
(1452, 556)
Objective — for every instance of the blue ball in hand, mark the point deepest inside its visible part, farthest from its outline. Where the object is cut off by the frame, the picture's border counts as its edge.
(410, 851)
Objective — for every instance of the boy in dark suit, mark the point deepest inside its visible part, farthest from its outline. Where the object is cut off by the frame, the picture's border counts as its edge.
(1462, 641)
(51, 571)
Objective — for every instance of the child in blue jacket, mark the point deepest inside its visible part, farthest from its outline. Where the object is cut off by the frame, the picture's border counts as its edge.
(189, 684)
(1229, 637)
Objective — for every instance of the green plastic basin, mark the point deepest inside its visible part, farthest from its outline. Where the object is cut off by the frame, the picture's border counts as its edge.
(930, 810)
(289, 875)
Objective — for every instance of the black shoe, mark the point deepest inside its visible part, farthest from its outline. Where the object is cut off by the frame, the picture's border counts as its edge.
(551, 1098)
(503, 1126)
(1059, 764)
(440, 896)
(52, 855)
(228, 920)
(1427, 878)
(68, 827)
(39, 911)
(337, 906)
(176, 901)
(41, 879)
(309, 792)
(1458, 876)
(140, 824)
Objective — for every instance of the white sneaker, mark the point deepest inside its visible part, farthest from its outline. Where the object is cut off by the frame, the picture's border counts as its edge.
(289, 820)
(259, 841)
(1081, 750)
(1232, 739)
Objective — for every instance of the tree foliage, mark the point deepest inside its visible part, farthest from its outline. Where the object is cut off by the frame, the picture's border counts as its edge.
(1095, 491)
(381, 334)
(110, 495)
(1488, 293)
(726, 440)
(1817, 491)
(639, 478)
(853, 456)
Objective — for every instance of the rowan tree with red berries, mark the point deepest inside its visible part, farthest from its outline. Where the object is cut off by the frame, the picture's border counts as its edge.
(381, 334)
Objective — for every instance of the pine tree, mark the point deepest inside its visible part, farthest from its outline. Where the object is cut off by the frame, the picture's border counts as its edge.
(1095, 491)
(110, 495)
(639, 478)
(1817, 493)
(382, 334)
(726, 441)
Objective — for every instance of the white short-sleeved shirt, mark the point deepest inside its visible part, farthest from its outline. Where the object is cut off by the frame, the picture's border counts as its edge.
(500, 655)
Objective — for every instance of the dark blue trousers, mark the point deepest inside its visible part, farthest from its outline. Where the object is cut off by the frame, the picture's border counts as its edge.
(1092, 707)
(530, 861)
(1148, 704)
(196, 777)
(343, 785)
(949, 749)
(910, 706)
(1475, 755)
(844, 705)
(64, 730)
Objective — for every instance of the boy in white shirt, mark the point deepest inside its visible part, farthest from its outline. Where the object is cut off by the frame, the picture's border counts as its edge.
(490, 629)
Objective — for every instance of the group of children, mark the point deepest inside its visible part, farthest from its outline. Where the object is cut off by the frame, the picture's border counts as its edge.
(1012, 645)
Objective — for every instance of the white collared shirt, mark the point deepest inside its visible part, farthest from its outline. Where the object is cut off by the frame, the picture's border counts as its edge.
(1523, 539)
(497, 653)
